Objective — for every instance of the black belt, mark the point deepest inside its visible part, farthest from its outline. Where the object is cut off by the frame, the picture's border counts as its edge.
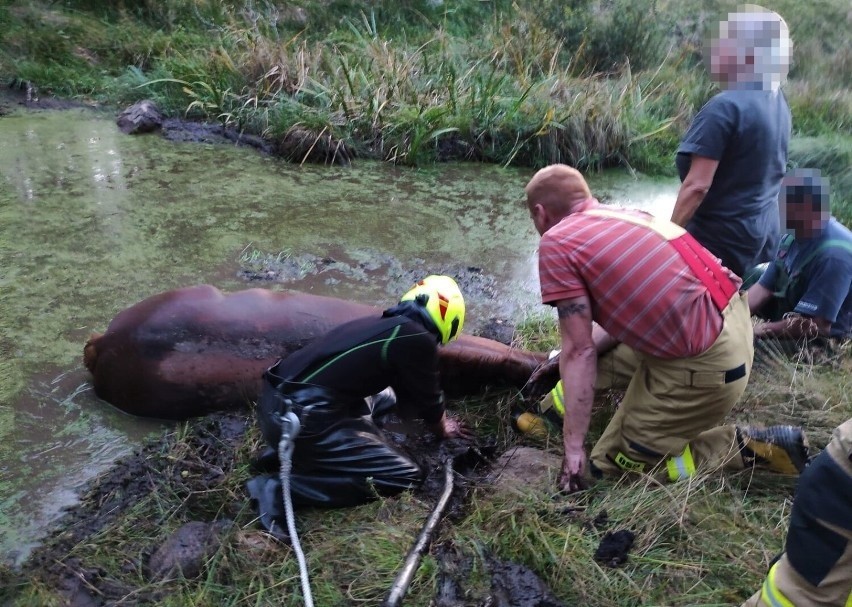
(735, 374)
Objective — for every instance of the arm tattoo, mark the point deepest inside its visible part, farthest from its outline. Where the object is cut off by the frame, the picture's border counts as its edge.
(566, 310)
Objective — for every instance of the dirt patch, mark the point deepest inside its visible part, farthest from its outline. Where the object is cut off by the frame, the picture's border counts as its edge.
(176, 129)
(522, 469)
(19, 93)
(186, 467)
(190, 469)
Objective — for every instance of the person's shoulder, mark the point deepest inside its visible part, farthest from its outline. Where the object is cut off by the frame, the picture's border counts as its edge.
(723, 108)
(725, 99)
(416, 331)
(837, 230)
(836, 242)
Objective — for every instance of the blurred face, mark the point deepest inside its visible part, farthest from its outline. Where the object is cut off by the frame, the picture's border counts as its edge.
(805, 219)
(724, 62)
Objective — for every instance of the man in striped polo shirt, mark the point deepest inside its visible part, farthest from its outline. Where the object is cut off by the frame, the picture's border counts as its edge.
(674, 327)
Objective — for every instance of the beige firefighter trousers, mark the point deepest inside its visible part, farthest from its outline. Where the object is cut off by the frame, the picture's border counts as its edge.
(670, 407)
(816, 567)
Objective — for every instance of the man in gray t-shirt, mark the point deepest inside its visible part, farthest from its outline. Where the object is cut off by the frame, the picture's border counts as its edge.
(734, 155)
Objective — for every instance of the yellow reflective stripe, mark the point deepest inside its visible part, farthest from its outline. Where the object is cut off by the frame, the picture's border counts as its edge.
(625, 463)
(681, 466)
(559, 398)
(663, 227)
(770, 593)
(849, 600)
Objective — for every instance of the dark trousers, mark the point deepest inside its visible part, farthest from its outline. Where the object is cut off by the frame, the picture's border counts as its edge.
(340, 456)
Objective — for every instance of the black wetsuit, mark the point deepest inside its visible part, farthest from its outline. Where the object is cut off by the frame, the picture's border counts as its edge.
(340, 456)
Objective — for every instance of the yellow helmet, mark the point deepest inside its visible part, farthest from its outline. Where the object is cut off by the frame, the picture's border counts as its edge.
(443, 302)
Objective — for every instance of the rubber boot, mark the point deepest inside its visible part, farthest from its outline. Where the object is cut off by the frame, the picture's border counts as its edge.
(267, 462)
(382, 405)
(265, 493)
(781, 449)
(529, 424)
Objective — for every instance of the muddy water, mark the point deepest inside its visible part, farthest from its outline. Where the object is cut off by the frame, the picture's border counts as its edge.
(92, 221)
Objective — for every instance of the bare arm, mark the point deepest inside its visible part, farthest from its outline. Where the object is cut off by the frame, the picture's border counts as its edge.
(694, 188)
(604, 342)
(578, 368)
(758, 296)
(546, 374)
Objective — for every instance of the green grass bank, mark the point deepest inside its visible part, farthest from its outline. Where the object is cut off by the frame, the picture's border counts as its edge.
(586, 82)
(705, 542)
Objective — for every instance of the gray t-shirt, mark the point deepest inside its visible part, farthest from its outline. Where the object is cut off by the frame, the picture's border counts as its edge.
(747, 131)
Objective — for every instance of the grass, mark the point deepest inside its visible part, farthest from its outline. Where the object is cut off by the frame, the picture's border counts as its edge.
(833, 156)
(590, 83)
(707, 541)
(411, 83)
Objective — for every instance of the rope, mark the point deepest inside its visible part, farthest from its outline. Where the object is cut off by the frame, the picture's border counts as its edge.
(290, 427)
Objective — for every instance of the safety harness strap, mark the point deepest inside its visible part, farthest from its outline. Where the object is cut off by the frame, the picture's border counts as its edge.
(704, 266)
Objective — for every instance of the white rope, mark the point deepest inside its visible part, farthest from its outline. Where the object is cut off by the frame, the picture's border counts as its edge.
(290, 427)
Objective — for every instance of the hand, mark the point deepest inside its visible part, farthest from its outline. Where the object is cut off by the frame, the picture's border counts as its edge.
(542, 380)
(573, 466)
(454, 428)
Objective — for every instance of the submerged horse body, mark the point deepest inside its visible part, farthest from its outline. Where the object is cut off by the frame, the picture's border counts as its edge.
(191, 351)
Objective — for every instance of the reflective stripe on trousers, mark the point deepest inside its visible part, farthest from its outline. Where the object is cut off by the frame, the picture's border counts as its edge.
(770, 594)
(681, 466)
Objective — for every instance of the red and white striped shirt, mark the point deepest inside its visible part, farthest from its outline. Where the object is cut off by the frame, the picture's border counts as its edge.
(643, 291)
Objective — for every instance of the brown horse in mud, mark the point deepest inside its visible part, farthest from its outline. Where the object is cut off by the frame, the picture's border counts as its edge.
(191, 351)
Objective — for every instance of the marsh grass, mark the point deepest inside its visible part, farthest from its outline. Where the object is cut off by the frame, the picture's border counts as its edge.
(589, 83)
(707, 541)
(833, 156)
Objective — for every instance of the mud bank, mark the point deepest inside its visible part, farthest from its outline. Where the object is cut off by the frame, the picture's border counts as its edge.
(120, 546)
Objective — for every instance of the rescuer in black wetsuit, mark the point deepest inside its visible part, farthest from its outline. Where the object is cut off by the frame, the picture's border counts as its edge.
(340, 456)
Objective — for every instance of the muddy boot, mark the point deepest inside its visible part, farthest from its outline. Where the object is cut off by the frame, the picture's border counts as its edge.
(265, 492)
(781, 449)
(382, 405)
(530, 424)
(267, 462)
(546, 415)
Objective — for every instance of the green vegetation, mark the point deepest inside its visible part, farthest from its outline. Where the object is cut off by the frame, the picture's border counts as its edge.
(413, 82)
(704, 542)
(587, 82)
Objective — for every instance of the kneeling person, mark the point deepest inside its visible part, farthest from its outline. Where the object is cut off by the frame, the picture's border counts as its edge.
(807, 290)
(340, 457)
(672, 330)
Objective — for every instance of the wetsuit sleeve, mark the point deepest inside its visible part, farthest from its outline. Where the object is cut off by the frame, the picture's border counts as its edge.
(414, 357)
